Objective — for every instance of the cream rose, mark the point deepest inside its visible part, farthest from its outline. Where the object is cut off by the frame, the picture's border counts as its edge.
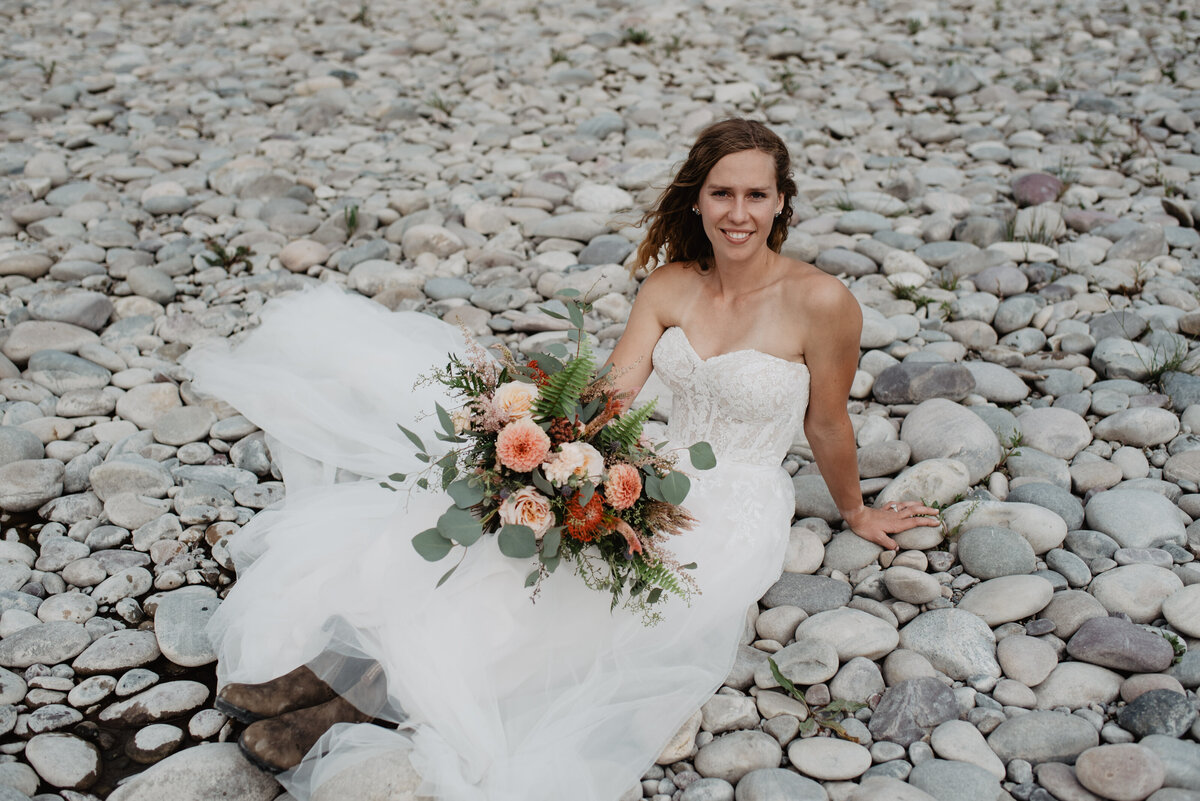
(515, 399)
(461, 418)
(527, 507)
(574, 459)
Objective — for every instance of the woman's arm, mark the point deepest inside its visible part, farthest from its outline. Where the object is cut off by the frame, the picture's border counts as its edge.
(834, 327)
(632, 358)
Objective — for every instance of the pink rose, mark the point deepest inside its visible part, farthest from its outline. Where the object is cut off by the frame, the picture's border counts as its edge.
(516, 399)
(527, 507)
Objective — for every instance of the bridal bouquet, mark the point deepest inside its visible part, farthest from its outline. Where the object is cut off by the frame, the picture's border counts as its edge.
(551, 463)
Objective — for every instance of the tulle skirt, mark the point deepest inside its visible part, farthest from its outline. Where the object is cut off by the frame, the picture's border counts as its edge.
(498, 696)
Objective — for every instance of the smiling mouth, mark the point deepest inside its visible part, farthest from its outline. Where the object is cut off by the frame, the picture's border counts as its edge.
(736, 236)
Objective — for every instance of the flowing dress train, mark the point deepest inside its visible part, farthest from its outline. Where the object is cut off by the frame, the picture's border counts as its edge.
(497, 698)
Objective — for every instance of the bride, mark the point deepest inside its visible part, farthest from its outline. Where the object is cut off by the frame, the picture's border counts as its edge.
(335, 620)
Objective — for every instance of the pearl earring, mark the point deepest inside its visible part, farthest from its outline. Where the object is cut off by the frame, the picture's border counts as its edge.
(695, 211)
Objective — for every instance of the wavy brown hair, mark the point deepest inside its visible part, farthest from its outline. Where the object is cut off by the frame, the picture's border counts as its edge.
(671, 224)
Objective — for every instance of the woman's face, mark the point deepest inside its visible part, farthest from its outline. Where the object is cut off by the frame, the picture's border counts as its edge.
(738, 203)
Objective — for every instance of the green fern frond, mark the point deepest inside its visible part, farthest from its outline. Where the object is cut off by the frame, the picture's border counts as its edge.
(625, 430)
(658, 575)
(557, 398)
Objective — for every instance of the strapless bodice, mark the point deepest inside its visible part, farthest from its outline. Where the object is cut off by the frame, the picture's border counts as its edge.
(747, 404)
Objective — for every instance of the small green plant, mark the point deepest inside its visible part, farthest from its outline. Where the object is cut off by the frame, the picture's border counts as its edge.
(788, 82)
(361, 18)
(947, 280)
(945, 310)
(950, 532)
(636, 36)
(1177, 644)
(350, 214)
(910, 293)
(842, 202)
(438, 102)
(1009, 446)
(557, 56)
(914, 26)
(47, 69)
(218, 256)
(1163, 361)
(674, 45)
(828, 717)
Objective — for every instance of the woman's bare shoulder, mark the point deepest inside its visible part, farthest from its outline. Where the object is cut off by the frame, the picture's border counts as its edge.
(665, 286)
(812, 288)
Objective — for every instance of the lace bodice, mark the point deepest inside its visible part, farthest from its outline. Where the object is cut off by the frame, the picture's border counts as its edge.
(747, 404)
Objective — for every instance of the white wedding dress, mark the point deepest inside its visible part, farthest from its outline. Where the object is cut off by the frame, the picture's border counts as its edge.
(498, 698)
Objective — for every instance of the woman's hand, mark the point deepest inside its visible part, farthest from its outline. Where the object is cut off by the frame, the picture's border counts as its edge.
(874, 525)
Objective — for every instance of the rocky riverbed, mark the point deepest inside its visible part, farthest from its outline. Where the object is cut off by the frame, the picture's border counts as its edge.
(1010, 189)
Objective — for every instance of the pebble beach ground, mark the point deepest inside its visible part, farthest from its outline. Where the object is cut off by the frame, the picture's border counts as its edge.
(1011, 189)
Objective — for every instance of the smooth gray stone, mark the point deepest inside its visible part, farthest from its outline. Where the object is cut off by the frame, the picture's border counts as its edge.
(1141, 244)
(1124, 324)
(606, 249)
(1054, 498)
(1135, 518)
(27, 484)
(17, 444)
(46, 643)
(80, 307)
(1163, 712)
(1069, 566)
(1090, 544)
(777, 784)
(839, 261)
(441, 288)
(1180, 758)
(1187, 671)
(954, 641)
(1182, 388)
(948, 780)
(62, 372)
(179, 622)
(1118, 644)
(601, 125)
(200, 773)
(915, 382)
(909, 710)
(1038, 737)
(708, 789)
(811, 593)
(989, 552)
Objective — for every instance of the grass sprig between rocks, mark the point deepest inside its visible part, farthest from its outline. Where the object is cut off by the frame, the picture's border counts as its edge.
(829, 716)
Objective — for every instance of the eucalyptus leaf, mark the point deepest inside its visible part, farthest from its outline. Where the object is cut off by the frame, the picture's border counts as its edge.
(423, 483)
(576, 314)
(674, 487)
(551, 313)
(541, 483)
(413, 438)
(550, 542)
(532, 578)
(551, 563)
(654, 595)
(585, 493)
(653, 486)
(387, 486)
(464, 493)
(557, 349)
(702, 456)
(568, 293)
(445, 576)
(431, 545)
(397, 477)
(517, 542)
(459, 525)
(444, 419)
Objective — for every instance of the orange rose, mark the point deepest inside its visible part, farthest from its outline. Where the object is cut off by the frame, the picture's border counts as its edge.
(527, 507)
(522, 445)
(623, 486)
